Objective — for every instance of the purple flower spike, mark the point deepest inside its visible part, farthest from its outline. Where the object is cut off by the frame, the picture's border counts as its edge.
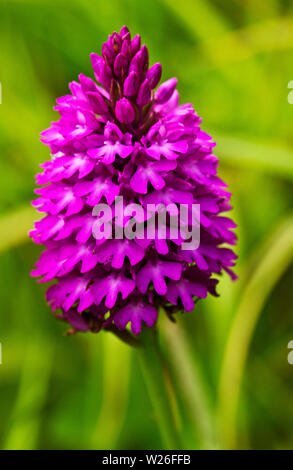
(115, 138)
(124, 111)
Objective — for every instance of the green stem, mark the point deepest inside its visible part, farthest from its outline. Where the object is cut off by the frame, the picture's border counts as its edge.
(191, 384)
(155, 378)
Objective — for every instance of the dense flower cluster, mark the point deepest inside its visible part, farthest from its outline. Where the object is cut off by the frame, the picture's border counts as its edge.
(122, 138)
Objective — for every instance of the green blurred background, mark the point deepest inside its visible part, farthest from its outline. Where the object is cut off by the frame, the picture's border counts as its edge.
(228, 359)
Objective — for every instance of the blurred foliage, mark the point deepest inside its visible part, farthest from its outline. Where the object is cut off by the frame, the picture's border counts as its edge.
(228, 359)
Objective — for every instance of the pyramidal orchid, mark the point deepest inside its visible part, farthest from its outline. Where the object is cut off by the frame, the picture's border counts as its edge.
(124, 135)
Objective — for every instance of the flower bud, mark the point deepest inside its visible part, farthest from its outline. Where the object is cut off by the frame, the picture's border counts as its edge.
(124, 30)
(145, 58)
(165, 91)
(108, 53)
(131, 84)
(135, 64)
(135, 44)
(117, 42)
(124, 111)
(125, 49)
(144, 93)
(105, 75)
(126, 38)
(154, 75)
(102, 71)
(139, 62)
(120, 64)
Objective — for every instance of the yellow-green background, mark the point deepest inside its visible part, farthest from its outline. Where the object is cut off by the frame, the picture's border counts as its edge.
(228, 359)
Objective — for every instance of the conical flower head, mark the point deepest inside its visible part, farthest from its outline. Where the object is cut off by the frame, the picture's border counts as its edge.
(119, 149)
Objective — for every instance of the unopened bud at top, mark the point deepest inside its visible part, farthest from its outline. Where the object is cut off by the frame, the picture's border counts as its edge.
(117, 42)
(135, 44)
(108, 53)
(125, 49)
(154, 75)
(144, 94)
(131, 84)
(166, 90)
(139, 62)
(124, 30)
(120, 64)
(124, 111)
(102, 71)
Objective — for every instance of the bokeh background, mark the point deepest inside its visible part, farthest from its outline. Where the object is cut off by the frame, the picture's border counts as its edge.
(228, 360)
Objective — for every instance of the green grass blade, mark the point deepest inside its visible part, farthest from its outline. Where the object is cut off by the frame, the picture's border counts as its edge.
(267, 158)
(278, 256)
(156, 379)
